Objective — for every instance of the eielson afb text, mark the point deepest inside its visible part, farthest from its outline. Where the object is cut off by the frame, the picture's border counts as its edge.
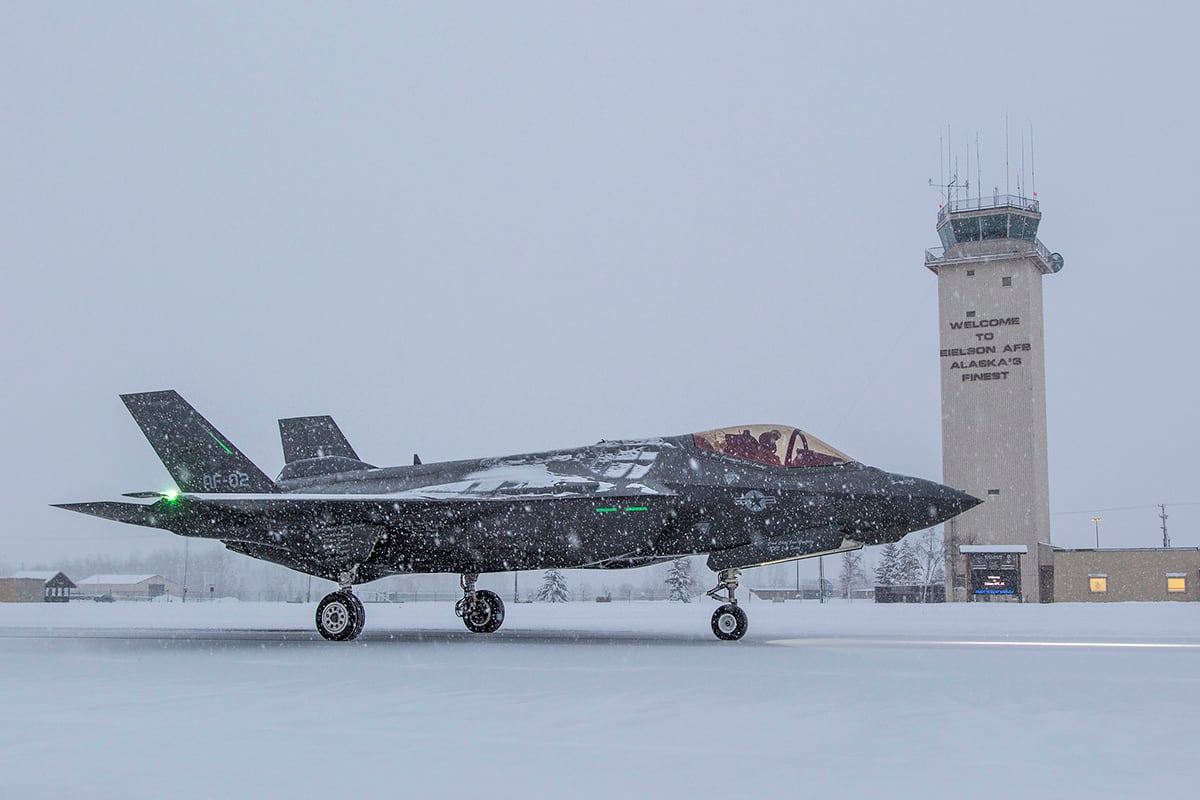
(1007, 353)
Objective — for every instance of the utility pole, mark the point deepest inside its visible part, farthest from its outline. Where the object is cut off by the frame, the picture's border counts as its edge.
(516, 595)
(821, 578)
(1162, 508)
(185, 560)
(1096, 522)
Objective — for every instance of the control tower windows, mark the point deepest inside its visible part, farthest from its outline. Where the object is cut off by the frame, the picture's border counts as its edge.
(987, 227)
(994, 226)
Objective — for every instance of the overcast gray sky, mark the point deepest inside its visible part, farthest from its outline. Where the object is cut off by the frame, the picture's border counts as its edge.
(470, 230)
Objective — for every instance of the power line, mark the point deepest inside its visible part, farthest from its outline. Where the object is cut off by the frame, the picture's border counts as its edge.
(1122, 508)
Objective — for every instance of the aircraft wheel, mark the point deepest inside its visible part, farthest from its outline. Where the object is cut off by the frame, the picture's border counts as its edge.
(729, 623)
(362, 616)
(339, 616)
(486, 615)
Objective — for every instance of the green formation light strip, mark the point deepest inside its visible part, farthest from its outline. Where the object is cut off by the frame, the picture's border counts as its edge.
(224, 446)
(611, 509)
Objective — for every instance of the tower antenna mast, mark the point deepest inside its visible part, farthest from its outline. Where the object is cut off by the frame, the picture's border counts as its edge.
(968, 149)
(1032, 161)
(1162, 514)
(1021, 183)
(978, 173)
(943, 165)
(1007, 168)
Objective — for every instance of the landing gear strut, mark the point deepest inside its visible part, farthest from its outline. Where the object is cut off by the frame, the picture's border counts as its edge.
(729, 622)
(340, 615)
(481, 611)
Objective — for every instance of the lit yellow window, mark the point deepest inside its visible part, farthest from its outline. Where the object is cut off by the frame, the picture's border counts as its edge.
(1098, 583)
(1176, 583)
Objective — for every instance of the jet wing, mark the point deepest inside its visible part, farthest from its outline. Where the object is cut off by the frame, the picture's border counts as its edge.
(221, 515)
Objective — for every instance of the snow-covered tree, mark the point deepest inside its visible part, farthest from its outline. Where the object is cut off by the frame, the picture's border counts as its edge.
(887, 572)
(852, 575)
(679, 580)
(908, 569)
(931, 554)
(554, 588)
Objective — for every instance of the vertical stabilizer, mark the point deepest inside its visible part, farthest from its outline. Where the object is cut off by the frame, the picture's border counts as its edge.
(313, 437)
(197, 455)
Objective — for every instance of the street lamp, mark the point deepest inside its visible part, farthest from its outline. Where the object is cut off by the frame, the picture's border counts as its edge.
(1096, 521)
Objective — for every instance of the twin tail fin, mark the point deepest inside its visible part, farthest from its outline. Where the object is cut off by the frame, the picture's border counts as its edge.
(197, 455)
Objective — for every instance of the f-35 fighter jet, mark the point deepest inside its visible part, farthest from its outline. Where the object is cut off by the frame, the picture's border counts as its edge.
(747, 496)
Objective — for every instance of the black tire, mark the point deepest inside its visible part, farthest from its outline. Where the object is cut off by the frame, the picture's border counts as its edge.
(362, 616)
(487, 614)
(339, 616)
(729, 623)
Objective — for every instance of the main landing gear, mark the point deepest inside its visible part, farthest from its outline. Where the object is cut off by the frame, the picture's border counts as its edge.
(340, 615)
(729, 622)
(481, 611)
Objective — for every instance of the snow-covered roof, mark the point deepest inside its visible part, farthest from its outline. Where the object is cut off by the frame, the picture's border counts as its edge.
(993, 548)
(40, 574)
(118, 579)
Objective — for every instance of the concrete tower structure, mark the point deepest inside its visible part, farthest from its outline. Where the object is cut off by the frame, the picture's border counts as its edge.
(990, 269)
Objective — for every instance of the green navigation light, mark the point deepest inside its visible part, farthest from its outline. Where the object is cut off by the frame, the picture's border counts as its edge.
(606, 510)
(171, 496)
(218, 441)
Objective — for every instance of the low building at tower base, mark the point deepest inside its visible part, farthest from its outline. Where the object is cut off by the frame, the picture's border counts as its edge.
(1120, 574)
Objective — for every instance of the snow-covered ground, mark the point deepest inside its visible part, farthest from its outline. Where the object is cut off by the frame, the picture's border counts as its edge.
(620, 700)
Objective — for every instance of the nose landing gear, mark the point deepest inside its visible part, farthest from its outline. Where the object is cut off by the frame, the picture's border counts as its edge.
(481, 611)
(340, 616)
(729, 622)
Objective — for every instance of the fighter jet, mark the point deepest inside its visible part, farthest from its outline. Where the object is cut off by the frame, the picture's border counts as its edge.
(746, 496)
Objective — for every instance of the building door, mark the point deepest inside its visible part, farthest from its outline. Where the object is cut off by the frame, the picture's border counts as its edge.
(1046, 583)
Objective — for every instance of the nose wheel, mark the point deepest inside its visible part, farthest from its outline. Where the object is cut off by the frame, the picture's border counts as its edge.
(729, 622)
(481, 611)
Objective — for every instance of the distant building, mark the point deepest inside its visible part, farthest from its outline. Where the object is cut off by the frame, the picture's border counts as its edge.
(56, 586)
(22, 590)
(911, 593)
(128, 587)
(1126, 573)
(809, 590)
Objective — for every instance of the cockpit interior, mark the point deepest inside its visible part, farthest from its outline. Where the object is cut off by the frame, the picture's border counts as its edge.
(773, 445)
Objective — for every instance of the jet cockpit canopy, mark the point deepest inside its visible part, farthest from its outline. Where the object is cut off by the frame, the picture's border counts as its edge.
(773, 445)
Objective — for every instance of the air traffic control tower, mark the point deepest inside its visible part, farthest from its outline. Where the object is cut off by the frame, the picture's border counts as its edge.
(989, 270)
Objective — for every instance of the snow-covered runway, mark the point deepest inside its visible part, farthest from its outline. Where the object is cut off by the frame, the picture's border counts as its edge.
(600, 700)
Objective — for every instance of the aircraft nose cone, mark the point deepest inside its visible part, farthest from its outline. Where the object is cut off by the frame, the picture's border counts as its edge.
(946, 502)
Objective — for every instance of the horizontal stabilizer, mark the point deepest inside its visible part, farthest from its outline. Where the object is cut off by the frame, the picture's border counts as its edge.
(313, 437)
(132, 513)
